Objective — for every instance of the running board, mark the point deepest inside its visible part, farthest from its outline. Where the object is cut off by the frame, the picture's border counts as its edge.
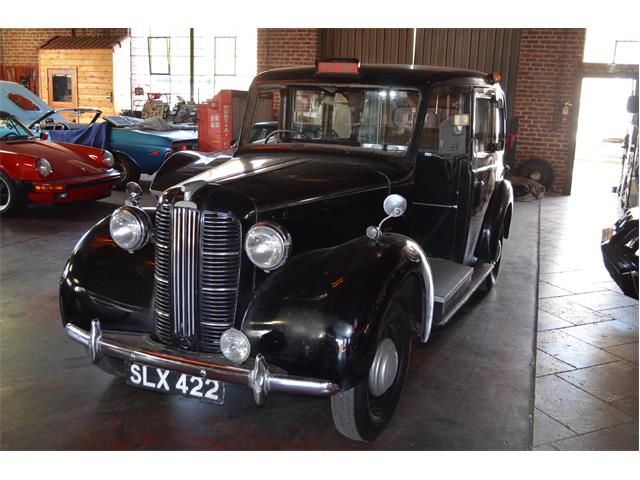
(481, 272)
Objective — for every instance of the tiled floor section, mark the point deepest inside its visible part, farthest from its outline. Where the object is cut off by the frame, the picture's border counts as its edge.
(587, 356)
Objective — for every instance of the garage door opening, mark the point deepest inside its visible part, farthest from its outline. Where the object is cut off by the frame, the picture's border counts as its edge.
(602, 125)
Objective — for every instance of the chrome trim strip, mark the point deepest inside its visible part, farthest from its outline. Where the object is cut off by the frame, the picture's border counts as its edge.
(259, 379)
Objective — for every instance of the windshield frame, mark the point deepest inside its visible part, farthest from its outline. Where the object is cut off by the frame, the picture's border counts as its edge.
(17, 122)
(256, 88)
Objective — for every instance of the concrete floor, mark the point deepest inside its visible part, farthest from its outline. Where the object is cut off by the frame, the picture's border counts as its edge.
(587, 345)
(470, 388)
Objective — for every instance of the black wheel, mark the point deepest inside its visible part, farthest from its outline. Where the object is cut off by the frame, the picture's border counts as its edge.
(9, 201)
(538, 169)
(128, 171)
(492, 278)
(363, 411)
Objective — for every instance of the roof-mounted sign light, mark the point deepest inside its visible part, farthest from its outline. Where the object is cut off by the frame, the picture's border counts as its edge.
(495, 77)
(338, 66)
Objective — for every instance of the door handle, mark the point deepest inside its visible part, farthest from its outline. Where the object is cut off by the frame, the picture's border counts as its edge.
(478, 183)
(109, 96)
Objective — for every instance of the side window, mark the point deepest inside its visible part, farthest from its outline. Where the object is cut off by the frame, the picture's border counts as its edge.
(446, 123)
(488, 124)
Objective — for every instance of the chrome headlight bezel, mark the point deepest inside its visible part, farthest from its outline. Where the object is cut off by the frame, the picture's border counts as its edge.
(276, 233)
(108, 159)
(44, 167)
(138, 222)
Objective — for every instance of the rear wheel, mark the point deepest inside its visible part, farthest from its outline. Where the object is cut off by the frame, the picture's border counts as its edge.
(9, 201)
(128, 171)
(363, 411)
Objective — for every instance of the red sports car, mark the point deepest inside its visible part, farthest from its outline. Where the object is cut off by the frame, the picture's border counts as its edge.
(38, 171)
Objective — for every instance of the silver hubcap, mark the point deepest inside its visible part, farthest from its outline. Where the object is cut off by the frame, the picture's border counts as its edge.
(4, 195)
(384, 368)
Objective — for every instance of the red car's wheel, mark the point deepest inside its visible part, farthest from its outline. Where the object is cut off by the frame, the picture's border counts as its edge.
(8, 195)
(129, 172)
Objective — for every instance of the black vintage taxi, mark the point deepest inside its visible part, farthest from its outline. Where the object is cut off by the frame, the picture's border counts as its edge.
(307, 262)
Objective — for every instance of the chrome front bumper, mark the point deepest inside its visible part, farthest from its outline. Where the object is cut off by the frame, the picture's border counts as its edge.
(137, 347)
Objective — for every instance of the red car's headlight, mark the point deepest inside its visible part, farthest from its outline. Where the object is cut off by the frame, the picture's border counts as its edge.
(108, 159)
(44, 167)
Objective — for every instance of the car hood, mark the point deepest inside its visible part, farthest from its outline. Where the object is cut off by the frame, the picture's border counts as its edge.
(275, 181)
(64, 160)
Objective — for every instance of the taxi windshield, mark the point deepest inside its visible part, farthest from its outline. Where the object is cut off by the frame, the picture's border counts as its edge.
(373, 118)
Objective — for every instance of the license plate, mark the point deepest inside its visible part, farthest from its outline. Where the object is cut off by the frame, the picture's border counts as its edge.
(166, 381)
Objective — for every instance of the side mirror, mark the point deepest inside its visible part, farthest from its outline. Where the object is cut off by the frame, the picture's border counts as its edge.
(44, 135)
(394, 205)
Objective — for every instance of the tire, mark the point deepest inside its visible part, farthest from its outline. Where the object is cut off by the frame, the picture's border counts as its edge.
(129, 171)
(9, 201)
(538, 169)
(357, 413)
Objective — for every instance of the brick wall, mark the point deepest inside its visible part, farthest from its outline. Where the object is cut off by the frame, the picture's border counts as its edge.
(286, 47)
(548, 75)
(19, 46)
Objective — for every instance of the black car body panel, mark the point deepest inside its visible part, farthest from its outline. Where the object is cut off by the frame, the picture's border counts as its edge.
(620, 252)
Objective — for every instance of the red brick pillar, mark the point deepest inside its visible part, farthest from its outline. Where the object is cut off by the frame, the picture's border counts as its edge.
(548, 75)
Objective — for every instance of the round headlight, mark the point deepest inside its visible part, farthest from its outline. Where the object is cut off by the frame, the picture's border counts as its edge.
(235, 345)
(44, 167)
(107, 159)
(130, 228)
(267, 245)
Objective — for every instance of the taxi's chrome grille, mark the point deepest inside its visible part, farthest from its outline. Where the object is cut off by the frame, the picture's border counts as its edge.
(219, 272)
(197, 274)
(184, 273)
(163, 258)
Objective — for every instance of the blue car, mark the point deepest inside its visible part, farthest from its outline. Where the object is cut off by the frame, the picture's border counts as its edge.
(139, 146)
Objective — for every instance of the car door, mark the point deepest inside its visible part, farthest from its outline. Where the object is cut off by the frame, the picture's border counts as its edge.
(486, 164)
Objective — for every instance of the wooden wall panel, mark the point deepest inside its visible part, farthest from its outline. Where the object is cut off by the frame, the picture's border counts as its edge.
(370, 45)
(484, 49)
(94, 75)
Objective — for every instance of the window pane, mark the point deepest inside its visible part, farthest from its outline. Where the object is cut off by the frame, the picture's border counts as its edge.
(159, 56)
(225, 56)
(61, 88)
(439, 134)
(484, 124)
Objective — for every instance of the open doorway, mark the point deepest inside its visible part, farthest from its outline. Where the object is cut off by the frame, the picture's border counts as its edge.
(603, 123)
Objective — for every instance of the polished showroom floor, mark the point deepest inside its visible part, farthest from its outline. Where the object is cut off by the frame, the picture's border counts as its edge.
(587, 345)
(470, 388)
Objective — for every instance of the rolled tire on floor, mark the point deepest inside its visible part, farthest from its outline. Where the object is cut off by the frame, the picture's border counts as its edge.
(9, 201)
(129, 171)
(363, 411)
(538, 169)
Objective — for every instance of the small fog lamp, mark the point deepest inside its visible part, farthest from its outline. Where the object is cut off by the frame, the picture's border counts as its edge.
(235, 345)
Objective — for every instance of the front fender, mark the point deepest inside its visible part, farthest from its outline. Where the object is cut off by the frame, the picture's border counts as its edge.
(319, 315)
(498, 216)
(100, 280)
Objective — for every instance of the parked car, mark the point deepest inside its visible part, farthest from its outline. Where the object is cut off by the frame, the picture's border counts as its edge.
(136, 148)
(620, 252)
(306, 264)
(36, 171)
